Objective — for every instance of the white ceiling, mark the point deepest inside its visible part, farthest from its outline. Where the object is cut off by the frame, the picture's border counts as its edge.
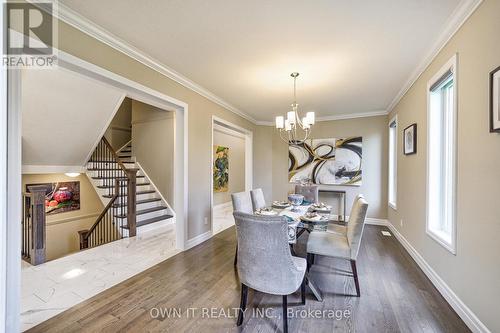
(354, 56)
(63, 116)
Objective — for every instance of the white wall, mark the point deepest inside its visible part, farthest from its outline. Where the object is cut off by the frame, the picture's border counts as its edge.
(63, 116)
(153, 145)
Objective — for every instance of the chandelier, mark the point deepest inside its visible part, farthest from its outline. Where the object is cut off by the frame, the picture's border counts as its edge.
(294, 129)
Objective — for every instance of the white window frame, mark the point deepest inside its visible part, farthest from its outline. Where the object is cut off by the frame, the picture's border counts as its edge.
(451, 149)
(393, 204)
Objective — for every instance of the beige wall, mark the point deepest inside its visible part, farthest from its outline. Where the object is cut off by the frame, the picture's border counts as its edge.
(119, 131)
(153, 145)
(374, 188)
(263, 160)
(473, 273)
(236, 145)
(201, 111)
(62, 229)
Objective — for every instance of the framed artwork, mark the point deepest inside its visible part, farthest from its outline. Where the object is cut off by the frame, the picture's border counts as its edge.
(60, 197)
(221, 168)
(326, 161)
(495, 100)
(410, 140)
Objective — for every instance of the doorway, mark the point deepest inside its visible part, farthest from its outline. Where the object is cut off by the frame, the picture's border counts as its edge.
(231, 169)
(10, 263)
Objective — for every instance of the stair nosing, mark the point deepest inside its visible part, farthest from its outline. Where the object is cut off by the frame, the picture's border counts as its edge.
(151, 220)
(144, 211)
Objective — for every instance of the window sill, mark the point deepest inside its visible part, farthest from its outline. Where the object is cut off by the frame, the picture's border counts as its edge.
(440, 238)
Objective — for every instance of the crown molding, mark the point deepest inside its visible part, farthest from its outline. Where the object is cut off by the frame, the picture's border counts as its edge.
(455, 21)
(337, 117)
(88, 27)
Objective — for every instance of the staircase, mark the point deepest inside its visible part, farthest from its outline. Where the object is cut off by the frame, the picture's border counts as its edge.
(151, 206)
(109, 173)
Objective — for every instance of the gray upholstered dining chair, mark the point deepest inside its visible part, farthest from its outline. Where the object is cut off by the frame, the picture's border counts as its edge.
(242, 202)
(258, 200)
(342, 229)
(337, 245)
(310, 192)
(265, 263)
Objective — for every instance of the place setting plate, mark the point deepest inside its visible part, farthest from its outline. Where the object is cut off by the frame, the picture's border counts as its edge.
(321, 208)
(268, 211)
(314, 217)
(281, 204)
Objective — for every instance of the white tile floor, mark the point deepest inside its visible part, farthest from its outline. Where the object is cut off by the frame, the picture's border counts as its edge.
(57, 285)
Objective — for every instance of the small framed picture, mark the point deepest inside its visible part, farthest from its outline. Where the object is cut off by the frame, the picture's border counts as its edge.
(495, 100)
(410, 140)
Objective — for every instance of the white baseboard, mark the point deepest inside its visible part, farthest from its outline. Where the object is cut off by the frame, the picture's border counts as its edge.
(198, 240)
(374, 221)
(470, 319)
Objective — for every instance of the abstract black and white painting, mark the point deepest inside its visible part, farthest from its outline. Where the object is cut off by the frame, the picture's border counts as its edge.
(495, 100)
(326, 161)
(410, 140)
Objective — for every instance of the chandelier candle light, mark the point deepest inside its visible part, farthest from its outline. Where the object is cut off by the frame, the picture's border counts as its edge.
(288, 127)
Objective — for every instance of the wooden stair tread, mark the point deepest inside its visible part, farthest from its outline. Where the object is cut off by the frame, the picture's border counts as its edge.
(151, 220)
(138, 202)
(111, 162)
(144, 211)
(113, 177)
(137, 193)
(113, 186)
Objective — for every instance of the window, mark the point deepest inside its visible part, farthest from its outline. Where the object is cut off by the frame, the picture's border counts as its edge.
(441, 156)
(393, 161)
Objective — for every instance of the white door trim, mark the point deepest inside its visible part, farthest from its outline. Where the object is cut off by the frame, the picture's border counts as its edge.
(10, 202)
(153, 97)
(248, 136)
(10, 195)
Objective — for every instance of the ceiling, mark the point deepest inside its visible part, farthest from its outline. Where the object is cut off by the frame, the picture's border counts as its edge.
(354, 57)
(64, 116)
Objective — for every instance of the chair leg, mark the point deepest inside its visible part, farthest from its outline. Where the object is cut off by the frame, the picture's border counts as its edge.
(236, 255)
(310, 260)
(243, 303)
(303, 291)
(285, 314)
(355, 275)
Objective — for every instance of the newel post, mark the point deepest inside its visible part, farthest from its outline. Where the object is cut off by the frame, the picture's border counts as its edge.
(84, 241)
(37, 251)
(131, 202)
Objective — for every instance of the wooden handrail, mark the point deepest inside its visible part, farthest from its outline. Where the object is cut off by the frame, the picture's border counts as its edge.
(114, 154)
(109, 224)
(104, 211)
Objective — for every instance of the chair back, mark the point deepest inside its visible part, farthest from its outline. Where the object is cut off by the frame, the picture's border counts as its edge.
(258, 200)
(242, 202)
(356, 225)
(264, 259)
(310, 192)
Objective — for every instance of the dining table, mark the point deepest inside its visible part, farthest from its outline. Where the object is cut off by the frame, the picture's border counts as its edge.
(297, 225)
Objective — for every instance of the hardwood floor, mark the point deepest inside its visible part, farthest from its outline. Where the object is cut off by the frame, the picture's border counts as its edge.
(396, 296)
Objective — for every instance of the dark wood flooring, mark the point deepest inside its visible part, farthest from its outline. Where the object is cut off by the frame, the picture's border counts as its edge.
(396, 296)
